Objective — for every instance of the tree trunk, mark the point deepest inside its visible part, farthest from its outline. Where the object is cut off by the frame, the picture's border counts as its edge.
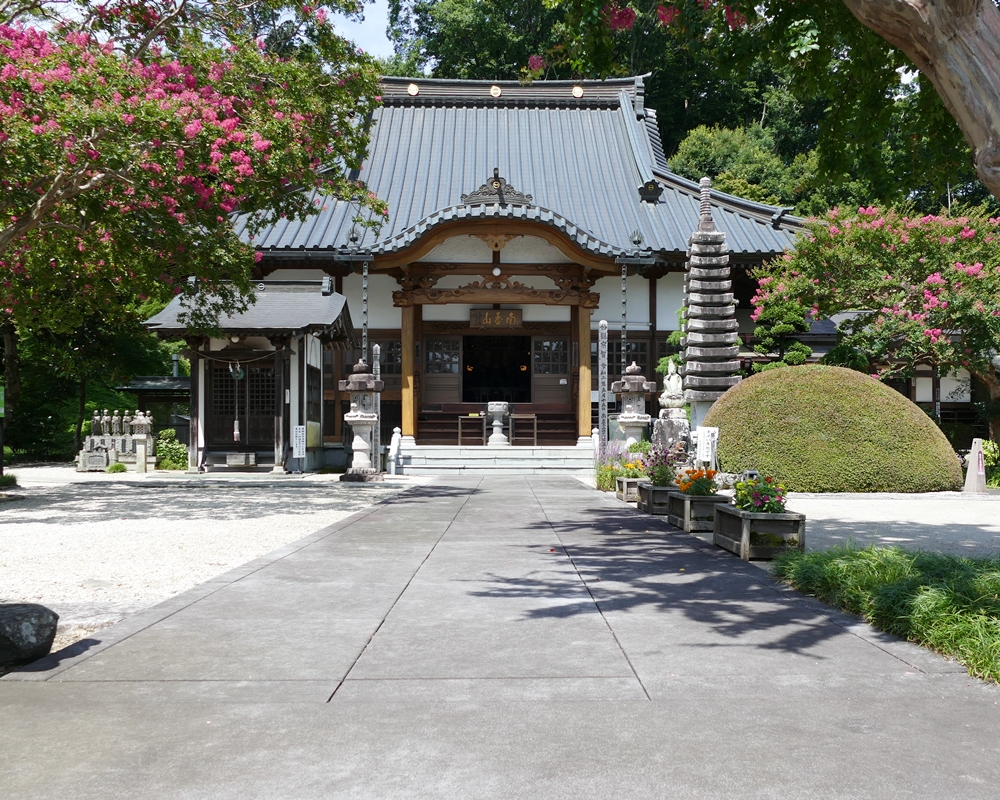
(81, 411)
(12, 371)
(956, 44)
(992, 382)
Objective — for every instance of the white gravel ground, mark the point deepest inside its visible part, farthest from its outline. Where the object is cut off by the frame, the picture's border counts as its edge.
(96, 547)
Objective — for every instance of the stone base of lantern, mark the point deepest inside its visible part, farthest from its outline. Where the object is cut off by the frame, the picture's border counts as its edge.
(362, 477)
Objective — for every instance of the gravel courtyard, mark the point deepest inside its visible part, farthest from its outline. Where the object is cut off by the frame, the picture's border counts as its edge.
(95, 548)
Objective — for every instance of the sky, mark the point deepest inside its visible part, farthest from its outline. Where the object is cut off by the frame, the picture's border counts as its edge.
(370, 34)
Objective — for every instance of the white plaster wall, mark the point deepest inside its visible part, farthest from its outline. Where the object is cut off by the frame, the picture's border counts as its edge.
(533, 313)
(314, 352)
(381, 312)
(669, 300)
(460, 249)
(610, 308)
(456, 312)
(925, 390)
(531, 250)
(288, 274)
(956, 387)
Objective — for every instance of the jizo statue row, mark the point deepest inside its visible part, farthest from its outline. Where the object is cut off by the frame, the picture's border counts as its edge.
(105, 424)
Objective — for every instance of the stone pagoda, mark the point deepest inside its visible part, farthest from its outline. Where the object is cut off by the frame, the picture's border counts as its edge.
(710, 352)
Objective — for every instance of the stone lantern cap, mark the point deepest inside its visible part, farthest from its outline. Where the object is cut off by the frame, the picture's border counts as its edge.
(633, 382)
(361, 380)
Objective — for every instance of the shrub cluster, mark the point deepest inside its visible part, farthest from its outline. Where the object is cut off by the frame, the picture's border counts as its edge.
(170, 453)
(945, 602)
(828, 429)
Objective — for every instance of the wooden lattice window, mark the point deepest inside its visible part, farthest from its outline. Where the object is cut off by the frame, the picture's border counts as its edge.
(551, 357)
(225, 391)
(260, 391)
(443, 356)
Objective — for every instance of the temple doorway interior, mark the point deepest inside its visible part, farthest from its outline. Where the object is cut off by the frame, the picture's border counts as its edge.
(496, 368)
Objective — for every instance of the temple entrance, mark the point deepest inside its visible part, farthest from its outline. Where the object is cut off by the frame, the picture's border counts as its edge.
(247, 402)
(496, 368)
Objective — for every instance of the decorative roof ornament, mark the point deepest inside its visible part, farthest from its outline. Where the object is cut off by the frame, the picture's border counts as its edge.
(650, 191)
(497, 190)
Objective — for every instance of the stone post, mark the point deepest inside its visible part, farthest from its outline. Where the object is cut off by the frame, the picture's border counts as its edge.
(633, 388)
(710, 352)
(363, 386)
(975, 470)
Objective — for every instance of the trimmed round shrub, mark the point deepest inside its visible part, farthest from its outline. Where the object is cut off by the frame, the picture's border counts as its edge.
(830, 429)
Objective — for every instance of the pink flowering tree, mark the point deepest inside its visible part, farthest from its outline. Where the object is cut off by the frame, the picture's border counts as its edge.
(926, 290)
(132, 132)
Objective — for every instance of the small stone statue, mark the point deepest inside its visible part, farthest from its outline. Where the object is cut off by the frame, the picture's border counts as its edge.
(95, 424)
(672, 398)
(126, 423)
(106, 423)
(116, 424)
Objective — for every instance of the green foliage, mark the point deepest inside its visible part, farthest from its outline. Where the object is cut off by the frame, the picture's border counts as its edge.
(991, 460)
(472, 39)
(117, 467)
(829, 429)
(8, 480)
(948, 603)
(640, 447)
(170, 454)
(763, 495)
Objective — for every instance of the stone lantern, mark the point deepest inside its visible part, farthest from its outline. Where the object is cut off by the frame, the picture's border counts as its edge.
(363, 386)
(633, 388)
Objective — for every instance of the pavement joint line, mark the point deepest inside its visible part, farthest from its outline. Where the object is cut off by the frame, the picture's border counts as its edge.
(583, 580)
(835, 616)
(304, 542)
(407, 586)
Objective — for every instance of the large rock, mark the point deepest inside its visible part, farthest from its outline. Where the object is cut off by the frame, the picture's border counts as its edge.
(26, 633)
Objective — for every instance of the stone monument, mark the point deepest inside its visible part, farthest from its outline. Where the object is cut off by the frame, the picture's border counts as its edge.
(672, 426)
(975, 469)
(633, 388)
(113, 439)
(363, 386)
(710, 352)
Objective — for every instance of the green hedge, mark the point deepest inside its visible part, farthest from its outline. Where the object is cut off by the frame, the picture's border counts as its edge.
(829, 429)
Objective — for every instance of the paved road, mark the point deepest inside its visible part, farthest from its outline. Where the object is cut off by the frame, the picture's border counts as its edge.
(508, 638)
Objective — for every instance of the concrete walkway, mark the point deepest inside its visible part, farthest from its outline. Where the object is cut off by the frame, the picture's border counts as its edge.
(499, 638)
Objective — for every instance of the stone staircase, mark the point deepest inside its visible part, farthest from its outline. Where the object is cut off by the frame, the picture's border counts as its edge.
(455, 460)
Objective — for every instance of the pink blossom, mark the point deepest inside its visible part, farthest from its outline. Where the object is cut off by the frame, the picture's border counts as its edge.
(935, 279)
(619, 19)
(192, 129)
(734, 18)
(667, 14)
(834, 230)
(967, 233)
(868, 211)
(933, 334)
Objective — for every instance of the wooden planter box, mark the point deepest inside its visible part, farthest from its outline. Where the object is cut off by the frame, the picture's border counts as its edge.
(653, 499)
(693, 513)
(627, 489)
(753, 535)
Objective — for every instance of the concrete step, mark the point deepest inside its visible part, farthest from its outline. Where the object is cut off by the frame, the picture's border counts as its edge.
(465, 460)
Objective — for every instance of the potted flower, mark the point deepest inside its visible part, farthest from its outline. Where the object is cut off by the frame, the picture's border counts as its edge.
(661, 465)
(758, 526)
(692, 506)
(627, 477)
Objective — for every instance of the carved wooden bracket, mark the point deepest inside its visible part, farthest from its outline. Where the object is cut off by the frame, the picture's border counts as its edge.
(481, 294)
(496, 242)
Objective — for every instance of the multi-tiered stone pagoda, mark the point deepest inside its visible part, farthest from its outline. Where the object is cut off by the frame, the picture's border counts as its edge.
(710, 352)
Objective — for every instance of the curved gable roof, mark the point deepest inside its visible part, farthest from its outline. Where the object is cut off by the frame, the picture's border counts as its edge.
(581, 156)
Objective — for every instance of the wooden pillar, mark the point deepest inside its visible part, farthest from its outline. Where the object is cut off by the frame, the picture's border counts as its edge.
(407, 333)
(583, 418)
(279, 410)
(195, 420)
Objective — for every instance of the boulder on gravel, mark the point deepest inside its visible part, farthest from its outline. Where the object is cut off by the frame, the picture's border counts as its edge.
(26, 633)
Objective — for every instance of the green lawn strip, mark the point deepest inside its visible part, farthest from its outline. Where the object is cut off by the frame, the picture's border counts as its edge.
(947, 603)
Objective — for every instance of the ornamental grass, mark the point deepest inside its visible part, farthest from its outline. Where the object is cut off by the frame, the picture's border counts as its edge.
(946, 603)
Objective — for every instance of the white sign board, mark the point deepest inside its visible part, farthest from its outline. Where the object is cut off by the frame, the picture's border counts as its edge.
(708, 442)
(299, 441)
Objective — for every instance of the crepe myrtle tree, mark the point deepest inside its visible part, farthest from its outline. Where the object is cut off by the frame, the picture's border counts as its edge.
(954, 44)
(926, 290)
(133, 131)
